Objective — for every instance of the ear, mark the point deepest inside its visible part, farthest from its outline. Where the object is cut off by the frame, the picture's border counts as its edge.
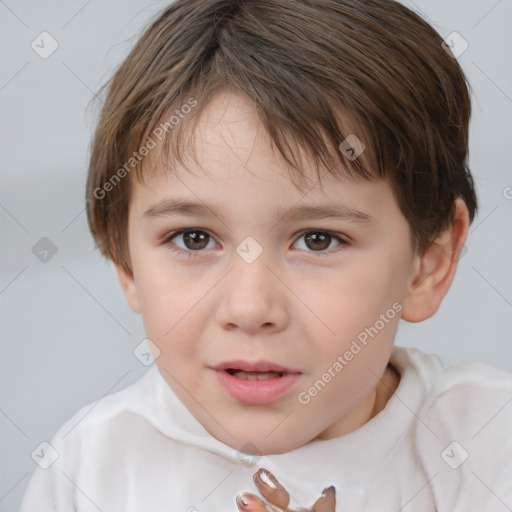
(433, 272)
(127, 281)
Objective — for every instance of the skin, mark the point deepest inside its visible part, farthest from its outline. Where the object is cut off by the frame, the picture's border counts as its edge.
(297, 305)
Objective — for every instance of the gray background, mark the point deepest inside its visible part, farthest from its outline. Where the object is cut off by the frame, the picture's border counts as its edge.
(68, 335)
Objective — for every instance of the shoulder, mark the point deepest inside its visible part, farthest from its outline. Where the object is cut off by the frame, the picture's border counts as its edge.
(466, 382)
(462, 397)
(462, 431)
(95, 417)
(90, 438)
(465, 396)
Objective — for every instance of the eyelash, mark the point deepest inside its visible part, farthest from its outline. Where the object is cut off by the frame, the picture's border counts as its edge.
(167, 241)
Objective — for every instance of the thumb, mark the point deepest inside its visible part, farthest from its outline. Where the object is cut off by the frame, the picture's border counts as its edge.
(247, 502)
(326, 502)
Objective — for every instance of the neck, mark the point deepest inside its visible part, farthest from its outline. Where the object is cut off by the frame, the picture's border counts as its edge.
(367, 409)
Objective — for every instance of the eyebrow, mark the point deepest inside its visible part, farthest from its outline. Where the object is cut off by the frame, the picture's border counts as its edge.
(183, 207)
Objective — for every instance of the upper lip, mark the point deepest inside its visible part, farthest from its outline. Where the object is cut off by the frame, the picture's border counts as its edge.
(256, 366)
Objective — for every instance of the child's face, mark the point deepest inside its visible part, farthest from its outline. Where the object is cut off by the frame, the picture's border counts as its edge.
(300, 304)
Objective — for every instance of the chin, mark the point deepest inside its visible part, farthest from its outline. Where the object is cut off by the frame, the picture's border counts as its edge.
(279, 448)
(260, 445)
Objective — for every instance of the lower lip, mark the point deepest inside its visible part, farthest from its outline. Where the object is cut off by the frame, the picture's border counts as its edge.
(256, 392)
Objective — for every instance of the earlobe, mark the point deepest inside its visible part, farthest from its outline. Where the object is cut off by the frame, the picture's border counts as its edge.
(127, 281)
(434, 270)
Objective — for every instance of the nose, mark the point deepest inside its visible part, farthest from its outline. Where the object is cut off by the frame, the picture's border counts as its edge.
(253, 299)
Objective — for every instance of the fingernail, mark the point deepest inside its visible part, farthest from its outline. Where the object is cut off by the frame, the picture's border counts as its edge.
(242, 501)
(268, 479)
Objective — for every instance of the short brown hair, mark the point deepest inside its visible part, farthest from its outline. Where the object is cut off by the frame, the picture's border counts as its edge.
(302, 63)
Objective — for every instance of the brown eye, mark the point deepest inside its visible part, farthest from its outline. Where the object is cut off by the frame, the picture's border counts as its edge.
(195, 240)
(191, 240)
(319, 241)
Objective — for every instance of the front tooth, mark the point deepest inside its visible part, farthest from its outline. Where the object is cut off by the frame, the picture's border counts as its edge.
(256, 375)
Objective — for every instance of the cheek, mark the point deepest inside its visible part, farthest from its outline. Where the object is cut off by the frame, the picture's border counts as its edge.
(169, 301)
(355, 296)
(165, 290)
(362, 309)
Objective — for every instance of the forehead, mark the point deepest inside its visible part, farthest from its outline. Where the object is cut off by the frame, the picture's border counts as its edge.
(229, 141)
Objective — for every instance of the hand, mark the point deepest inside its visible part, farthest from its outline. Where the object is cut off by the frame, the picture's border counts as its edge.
(278, 498)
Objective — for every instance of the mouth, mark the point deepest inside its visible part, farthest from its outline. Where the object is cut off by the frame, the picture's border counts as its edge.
(256, 383)
(254, 370)
(240, 374)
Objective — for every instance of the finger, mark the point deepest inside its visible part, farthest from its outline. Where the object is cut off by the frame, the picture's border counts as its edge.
(271, 489)
(326, 502)
(247, 502)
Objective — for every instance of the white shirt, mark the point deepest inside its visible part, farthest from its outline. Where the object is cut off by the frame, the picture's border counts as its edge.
(442, 443)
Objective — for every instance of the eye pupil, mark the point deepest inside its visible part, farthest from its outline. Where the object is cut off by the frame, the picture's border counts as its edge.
(195, 237)
(318, 240)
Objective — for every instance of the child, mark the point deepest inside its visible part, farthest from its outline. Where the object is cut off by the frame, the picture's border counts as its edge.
(278, 182)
